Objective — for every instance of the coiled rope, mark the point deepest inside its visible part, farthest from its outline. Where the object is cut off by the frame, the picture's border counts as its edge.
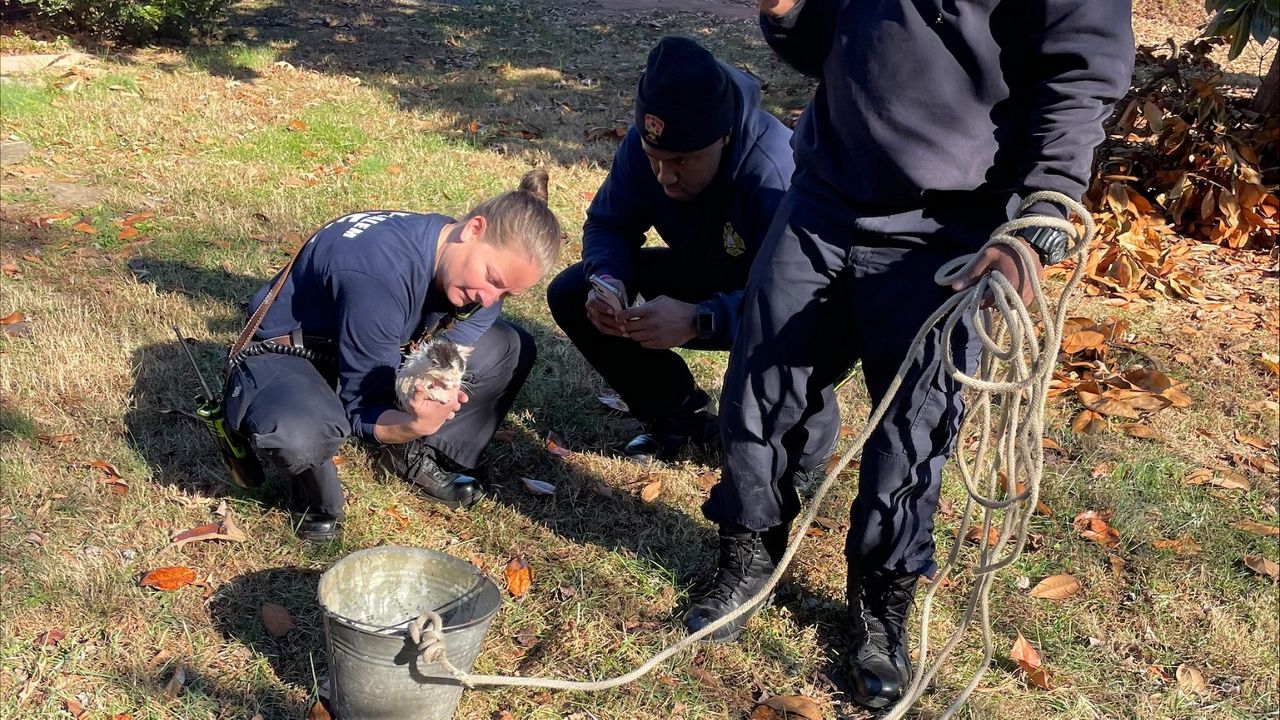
(1006, 403)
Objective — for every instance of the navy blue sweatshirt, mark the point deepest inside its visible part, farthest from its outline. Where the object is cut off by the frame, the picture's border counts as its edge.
(717, 232)
(366, 281)
(921, 97)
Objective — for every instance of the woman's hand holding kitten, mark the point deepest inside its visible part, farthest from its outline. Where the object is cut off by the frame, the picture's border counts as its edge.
(429, 415)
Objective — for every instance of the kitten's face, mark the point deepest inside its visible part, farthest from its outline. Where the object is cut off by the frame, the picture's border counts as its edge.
(447, 363)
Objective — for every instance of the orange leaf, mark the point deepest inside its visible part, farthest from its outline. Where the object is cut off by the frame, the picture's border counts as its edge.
(974, 535)
(50, 638)
(297, 125)
(224, 530)
(128, 233)
(1056, 587)
(1252, 440)
(1184, 545)
(12, 318)
(555, 446)
(1190, 680)
(1257, 528)
(106, 467)
(519, 576)
(1137, 430)
(137, 218)
(394, 169)
(650, 492)
(1088, 422)
(1093, 526)
(1029, 660)
(1083, 340)
(707, 480)
(169, 578)
(794, 707)
(84, 227)
(74, 709)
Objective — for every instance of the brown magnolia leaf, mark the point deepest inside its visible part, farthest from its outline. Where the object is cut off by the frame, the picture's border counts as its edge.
(1199, 476)
(1093, 526)
(707, 480)
(84, 227)
(50, 638)
(12, 318)
(169, 578)
(74, 708)
(226, 529)
(519, 576)
(555, 446)
(793, 707)
(1117, 566)
(1051, 444)
(1257, 528)
(137, 218)
(276, 620)
(1083, 340)
(1184, 545)
(297, 125)
(1088, 422)
(318, 711)
(1056, 587)
(1252, 440)
(974, 535)
(1137, 430)
(1028, 659)
(173, 688)
(1190, 680)
(1262, 566)
(651, 491)
(127, 233)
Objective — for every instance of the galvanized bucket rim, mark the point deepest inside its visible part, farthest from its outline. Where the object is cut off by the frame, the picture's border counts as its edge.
(398, 629)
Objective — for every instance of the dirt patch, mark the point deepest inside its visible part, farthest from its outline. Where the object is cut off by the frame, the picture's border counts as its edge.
(721, 8)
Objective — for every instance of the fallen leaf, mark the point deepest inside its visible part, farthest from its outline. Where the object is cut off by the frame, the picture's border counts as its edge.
(50, 638)
(297, 125)
(1252, 440)
(84, 227)
(650, 492)
(792, 707)
(1228, 481)
(1145, 432)
(394, 169)
(136, 218)
(169, 578)
(1184, 545)
(974, 535)
(276, 620)
(1100, 470)
(707, 480)
(1088, 422)
(12, 318)
(555, 446)
(173, 688)
(1056, 587)
(127, 233)
(318, 711)
(399, 517)
(1050, 444)
(1262, 566)
(538, 487)
(503, 715)
(1257, 528)
(1269, 362)
(1190, 680)
(224, 530)
(1029, 660)
(1117, 566)
(526, 639)
(1093, 526)
(519, 576)
(1083, 340)
(613, 401)
(74, 708)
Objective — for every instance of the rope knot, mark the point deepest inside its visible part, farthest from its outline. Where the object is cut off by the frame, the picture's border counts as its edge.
(426, 632)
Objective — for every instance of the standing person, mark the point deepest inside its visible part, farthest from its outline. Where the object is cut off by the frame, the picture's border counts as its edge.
(364, 286)
(705, 167)
(930, 124)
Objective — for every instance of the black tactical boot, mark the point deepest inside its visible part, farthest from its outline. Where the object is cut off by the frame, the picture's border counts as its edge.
(315, 527)
(665, 438)
(880, 667)
(747, 559)
(418, 464)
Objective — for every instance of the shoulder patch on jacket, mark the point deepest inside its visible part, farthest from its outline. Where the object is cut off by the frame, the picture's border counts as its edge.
(734, 245)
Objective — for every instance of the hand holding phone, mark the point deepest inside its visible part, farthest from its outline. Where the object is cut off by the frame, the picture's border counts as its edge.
(607, 291)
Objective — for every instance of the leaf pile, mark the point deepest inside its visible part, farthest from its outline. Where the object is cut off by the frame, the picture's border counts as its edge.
(1086, 374)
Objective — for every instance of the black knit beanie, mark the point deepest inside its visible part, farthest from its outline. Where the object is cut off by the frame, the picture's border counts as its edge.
(685, 101)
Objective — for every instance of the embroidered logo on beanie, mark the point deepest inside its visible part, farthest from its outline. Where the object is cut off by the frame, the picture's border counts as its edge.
(653, 126)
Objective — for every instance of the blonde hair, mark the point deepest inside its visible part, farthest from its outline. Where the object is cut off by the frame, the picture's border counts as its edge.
(520, 220)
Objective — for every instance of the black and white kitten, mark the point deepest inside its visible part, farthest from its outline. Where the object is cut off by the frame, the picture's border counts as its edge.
(438, 365)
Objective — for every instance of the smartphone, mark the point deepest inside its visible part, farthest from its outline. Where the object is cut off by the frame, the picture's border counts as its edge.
(608, 292)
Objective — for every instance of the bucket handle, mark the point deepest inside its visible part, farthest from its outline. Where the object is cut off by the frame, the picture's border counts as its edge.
(427, 634)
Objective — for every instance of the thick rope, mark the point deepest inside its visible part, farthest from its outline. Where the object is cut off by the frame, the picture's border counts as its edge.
(427, 634)
(1012, 382)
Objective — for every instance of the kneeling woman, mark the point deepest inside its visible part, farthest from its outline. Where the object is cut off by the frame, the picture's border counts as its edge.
(362, 288)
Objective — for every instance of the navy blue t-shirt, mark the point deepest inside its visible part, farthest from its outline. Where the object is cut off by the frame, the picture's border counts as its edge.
(366, 281)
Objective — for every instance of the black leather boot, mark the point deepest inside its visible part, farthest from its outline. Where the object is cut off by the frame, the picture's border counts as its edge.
(747, 559)
(665, 438)
(315, 527)
(880, 666)
(419, 465)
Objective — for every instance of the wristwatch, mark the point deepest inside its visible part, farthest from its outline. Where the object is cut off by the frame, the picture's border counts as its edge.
(1049, 243)
(705, 323)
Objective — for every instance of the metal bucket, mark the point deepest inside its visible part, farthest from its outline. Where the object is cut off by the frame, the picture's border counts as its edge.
(369, 598)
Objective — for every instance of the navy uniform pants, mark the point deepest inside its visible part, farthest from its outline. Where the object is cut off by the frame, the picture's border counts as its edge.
(290, 411)
(832, 287)
(654, 383)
